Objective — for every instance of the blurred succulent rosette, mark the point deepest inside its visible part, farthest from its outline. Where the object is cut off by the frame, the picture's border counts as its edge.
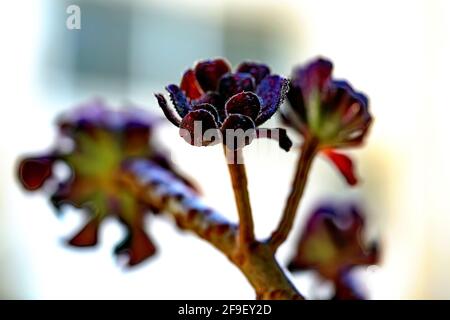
(95, 142)
(327, 112)
(333, 244)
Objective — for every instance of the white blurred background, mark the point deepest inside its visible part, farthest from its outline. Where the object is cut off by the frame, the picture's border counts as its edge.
(395, 51)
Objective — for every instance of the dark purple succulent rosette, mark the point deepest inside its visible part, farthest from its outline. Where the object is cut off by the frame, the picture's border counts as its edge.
(95, 142)
(328, 111)
(95, 115)
(332, 244)
(214, 104)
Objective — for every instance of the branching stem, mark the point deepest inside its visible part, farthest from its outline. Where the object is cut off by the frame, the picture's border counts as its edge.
(309, 150)
(236, 168)
(167, 194)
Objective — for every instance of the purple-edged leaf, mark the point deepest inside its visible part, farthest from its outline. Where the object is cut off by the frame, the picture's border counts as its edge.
(277, 134)
(215, 99)
(258, 70)
(238, 131)
(352, 106)
(209, 72)
(194, 126)
(272, 90)
(233, 83)
(170, 115)
(179, 100)
(190, 85)
(208, 107)
(305, 81)
(314, 77)
(246, 103)
(297, 102)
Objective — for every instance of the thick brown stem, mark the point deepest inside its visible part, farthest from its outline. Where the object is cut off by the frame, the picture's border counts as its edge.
(281, 233)
(165, 193)
(265, 275)
(236, 168)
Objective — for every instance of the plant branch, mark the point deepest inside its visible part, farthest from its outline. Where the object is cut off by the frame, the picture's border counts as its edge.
(236, 168)
(165, 193)
(309, 150)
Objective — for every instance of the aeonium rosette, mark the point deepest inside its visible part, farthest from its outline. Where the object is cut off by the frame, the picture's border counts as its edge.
(328, 111)
(332, 244)
(214, 104)
(96, 142)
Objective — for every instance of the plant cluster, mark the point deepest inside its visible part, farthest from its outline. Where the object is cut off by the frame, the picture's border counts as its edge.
(119, 170)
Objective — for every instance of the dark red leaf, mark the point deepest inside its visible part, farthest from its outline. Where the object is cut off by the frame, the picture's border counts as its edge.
(137, 245)
(33, 172)
(87, 237)
(215, 99)
(209, 72)
(238, 131)
(195, 124)
(233, 83)
(190, 85)
(208, 107)
(246, 103)
(344, 164)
